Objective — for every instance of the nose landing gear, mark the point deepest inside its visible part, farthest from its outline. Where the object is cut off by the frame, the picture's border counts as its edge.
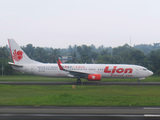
(140, 79)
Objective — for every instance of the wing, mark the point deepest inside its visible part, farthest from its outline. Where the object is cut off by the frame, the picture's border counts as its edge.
(73, 73)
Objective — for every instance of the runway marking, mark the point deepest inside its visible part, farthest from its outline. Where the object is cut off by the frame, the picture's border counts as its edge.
(151, 115)
(79, 115)
(151, 108)
(70, 115)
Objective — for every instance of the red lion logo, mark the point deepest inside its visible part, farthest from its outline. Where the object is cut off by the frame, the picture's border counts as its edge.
(17, 56)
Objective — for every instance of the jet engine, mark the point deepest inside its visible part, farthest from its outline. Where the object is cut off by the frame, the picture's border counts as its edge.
(94, 77)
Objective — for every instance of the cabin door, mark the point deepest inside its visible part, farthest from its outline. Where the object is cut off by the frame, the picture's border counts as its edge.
(32, 70)
(137, 71)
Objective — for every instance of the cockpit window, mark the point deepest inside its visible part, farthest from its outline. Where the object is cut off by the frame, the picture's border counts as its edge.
(144, 69)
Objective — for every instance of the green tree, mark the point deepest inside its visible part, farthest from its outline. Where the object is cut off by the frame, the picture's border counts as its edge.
(29, 50)
(94, 56)
(154, 61)
(54, 55)
(138, 57)
(85, 53)
(8, 70)
(40, 54)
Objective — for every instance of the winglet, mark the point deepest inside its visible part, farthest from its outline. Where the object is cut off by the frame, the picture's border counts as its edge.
(59, 65)
(59, 61)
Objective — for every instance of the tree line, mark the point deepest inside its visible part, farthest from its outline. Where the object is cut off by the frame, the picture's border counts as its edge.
(144, 55)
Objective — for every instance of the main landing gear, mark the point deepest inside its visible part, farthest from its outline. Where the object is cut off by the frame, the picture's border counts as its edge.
(138, 81)
(78, 80)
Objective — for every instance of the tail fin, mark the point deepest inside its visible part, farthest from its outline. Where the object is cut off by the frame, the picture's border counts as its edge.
(18, 55)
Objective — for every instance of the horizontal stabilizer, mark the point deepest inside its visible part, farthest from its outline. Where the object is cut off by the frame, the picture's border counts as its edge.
(17, 65)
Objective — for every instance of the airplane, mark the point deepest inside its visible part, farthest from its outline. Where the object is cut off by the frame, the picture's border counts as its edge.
(91, 72)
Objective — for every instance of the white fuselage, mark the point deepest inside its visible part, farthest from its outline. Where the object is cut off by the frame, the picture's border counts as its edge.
(92, 72)
(105, 70)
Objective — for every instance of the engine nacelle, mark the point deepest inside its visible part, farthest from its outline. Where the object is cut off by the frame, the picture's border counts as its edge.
(94, 77)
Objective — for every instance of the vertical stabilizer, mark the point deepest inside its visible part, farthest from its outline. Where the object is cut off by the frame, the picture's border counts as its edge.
(18, 55)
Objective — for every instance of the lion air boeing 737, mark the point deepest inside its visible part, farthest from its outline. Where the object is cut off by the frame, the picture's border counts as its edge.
(92, 72)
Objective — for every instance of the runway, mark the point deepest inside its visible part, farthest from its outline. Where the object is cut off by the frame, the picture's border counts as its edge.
(79, 110)
(58, 112)
(83, 83)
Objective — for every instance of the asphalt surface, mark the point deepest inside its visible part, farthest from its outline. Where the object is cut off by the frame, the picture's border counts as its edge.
(79, 110)
(60, 113)
(75, 83)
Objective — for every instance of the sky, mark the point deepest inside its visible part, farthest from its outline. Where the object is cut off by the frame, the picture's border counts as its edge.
(60, 23)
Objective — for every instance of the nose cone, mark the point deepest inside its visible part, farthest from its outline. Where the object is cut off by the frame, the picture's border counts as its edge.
(150, 73)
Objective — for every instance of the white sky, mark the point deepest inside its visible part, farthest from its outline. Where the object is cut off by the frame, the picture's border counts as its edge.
(60, 23)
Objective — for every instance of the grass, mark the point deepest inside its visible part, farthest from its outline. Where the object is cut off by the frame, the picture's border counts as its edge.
(64, 95)
(41, 79)
(81, 96)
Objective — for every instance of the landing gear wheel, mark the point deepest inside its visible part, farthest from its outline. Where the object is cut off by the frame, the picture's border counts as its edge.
(78, 80)
(138, 81)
